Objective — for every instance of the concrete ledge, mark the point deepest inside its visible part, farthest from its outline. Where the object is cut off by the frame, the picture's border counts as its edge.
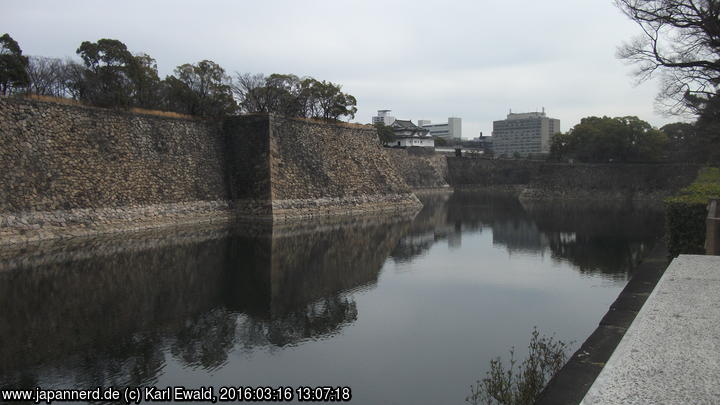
(572, 383)
(671, 352)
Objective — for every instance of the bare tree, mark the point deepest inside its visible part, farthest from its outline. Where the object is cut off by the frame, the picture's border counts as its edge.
(245, 89)
(71, 77)
(53, 77)
(45, 76)
(293, 96)
(681, 42)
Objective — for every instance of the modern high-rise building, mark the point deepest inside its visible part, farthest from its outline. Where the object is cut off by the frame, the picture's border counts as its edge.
(524, 133)
(383, 117)
(448, 130)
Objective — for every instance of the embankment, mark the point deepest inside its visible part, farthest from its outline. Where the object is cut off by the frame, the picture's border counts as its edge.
(68, 170)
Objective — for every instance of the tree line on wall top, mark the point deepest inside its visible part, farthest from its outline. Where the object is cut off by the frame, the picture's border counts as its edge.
(111, 76)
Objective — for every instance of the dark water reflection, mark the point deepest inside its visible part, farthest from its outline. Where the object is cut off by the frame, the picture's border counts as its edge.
(403, 309)
(602, 237)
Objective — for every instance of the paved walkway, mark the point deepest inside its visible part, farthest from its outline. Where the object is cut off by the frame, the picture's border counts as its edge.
(671, 352)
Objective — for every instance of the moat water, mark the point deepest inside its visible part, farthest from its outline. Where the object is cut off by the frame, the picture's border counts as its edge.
(401, 309)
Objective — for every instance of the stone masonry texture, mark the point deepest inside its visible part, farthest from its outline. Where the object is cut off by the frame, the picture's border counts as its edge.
(420, 167)
(55, 156)
(70, 169)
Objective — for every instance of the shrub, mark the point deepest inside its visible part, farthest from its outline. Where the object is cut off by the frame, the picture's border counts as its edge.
(685, 213)
(521, 384)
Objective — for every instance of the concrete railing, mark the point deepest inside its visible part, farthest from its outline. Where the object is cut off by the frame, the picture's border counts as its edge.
(712, 237)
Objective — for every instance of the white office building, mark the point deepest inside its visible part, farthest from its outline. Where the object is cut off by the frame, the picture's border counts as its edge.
(383, 117)
(524, 133)
(447, 130)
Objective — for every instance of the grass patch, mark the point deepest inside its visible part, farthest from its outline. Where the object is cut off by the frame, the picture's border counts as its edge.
(166, 114)
(135, 110)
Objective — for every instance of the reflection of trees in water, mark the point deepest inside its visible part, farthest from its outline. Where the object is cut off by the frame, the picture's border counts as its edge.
(322, 318)
(206, 339)
(447, 216)
(609, 238)
(592, 254)
(110, 319)
(135, 361)
(602, 237)
(519, 236)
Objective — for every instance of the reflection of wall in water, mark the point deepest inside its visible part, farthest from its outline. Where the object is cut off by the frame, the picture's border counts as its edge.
(199, 300)
(306, 267)
(429, 226)
(519, 236)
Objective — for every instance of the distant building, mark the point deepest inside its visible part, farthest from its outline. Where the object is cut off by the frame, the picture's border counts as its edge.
(448, 130)
(483, 143)
(383, 117)
(408, 134)
(407, 141)
(407, 128)
(524, 133)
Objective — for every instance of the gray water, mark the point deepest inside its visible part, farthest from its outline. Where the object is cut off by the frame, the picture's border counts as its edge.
(401, 309)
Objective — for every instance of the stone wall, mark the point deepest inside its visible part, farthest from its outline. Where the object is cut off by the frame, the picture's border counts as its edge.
(61, 157)
(421, 168)
(539, 179)
(70, 170)
(324, 168)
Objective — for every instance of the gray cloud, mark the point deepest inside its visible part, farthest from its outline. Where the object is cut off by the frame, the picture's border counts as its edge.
(424, 60)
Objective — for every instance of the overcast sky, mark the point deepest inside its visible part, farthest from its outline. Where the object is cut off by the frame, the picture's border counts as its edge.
(473, 59)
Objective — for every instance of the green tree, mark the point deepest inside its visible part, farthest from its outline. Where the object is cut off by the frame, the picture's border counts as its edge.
(684, 143)
(289, 95)
(619, 139)
(284, 96)
(200, 89)
(385, 133)
(106, 81)
(13, 65)
(143, 75)
(708, 132)
(326, 101)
